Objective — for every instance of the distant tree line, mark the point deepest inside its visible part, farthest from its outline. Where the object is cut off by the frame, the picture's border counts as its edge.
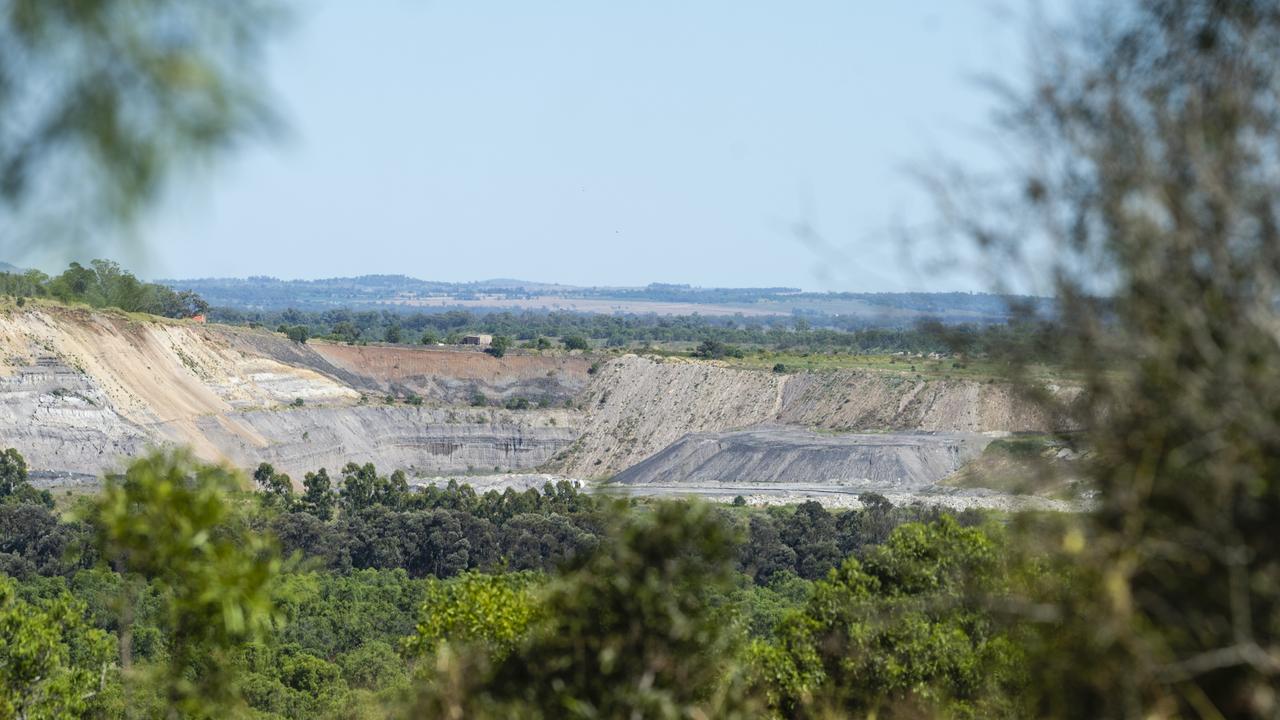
(361, 519)
(1025, 337)
(103, 284)
(274, 294)
(986, 304)
(1026, 334)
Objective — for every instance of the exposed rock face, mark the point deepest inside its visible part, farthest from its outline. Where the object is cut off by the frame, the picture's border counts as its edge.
(638, 406)
(128, 384)
(80, 390)
(418, 440)
(158, 370)
(61, 421)
(794, 455)
(862, 400)
(449, 376)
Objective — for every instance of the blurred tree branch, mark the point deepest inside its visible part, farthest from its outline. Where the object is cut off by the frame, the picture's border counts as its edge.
(1146, 188)
(102, 100)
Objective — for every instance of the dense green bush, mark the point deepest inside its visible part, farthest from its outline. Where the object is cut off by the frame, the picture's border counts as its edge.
(497, 603)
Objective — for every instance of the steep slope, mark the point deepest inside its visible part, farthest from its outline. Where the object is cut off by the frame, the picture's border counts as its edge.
(150, 377)
(80, 389)
(637, 406)
(864, 400)
(61, 420)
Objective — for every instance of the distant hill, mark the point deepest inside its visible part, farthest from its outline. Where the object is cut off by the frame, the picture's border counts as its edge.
(10, 268)
(400, 293)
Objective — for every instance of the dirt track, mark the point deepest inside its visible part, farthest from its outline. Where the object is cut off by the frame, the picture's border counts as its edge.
(846, 497)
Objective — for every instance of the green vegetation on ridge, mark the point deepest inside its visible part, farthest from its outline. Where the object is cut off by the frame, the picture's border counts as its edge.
(103, 284)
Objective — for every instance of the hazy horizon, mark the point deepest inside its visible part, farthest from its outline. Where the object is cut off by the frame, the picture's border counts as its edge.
(493, 282)
(51, 269)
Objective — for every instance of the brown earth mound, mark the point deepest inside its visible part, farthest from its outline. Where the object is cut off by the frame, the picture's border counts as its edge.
(452, 375)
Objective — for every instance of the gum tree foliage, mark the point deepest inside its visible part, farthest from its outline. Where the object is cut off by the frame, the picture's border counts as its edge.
(174, 523)
(53, 663)
(13, 471)
(904, 632)
(715, 350)
(637, 610)
(33, 541)
(499, 346)
(538, 541)
(363, 487)
(629, 632)
(1019, 334)
(296, 333)
(765, 555)
(492, 612)
(276, 488)
(104, 99)
(14, 487)
(105, 284)
(811, 533)
(333, 614)
(317, 497)
(436, 531)
(575, 342)
(1145, 190)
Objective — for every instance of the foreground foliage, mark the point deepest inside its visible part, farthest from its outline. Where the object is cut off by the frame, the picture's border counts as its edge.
(1145, 191)
(908, 626)
(53, 664)
(454, 604)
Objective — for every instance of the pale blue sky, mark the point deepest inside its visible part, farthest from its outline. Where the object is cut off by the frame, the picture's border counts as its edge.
(595, 142)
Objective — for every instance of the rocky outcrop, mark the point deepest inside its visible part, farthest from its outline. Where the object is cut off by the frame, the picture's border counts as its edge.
(155, 370)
